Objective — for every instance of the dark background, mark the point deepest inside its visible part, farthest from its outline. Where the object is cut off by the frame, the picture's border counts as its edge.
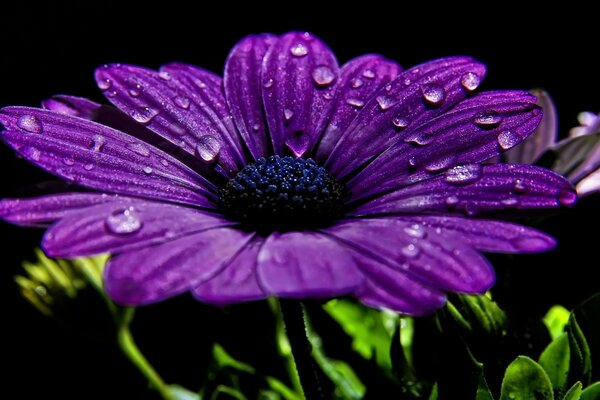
(54, 48)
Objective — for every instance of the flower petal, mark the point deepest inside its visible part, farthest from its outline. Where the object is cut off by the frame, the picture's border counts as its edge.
(299, 74)
(360, 79)
(434, 259)
(156, 273)
(590, 184)
(474, 131)
(474, 189)
(306, 264)
(236, 282)
(413, 98)
(243, 89)
(123, 225)
(192, 117)
(99, 157)
(42, 210)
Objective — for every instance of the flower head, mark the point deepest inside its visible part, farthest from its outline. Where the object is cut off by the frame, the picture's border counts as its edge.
(289, 176)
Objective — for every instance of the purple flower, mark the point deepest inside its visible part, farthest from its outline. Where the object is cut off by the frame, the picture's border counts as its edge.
(207, 184)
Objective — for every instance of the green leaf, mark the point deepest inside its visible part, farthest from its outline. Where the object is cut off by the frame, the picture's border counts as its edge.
(224, 360)
(556, 319)
(481, 313)
(587, 318)
(591, 392)
(581, 359)
(574, 393)
(181, 393)
(369, 329)
(282, 389)
(525, 379)
(555, 361)
(434, 392)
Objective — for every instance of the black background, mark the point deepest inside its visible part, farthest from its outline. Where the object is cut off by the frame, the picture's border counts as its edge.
(54, 48)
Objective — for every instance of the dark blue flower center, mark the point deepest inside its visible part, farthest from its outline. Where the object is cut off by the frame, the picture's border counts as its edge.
(283, 193)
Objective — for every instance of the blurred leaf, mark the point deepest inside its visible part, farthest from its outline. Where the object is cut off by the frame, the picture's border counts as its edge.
(480, 313)
(555, 361)
(568, 154)
(574, 393)
(282, 389)
(224, 360)
(591, 392)
(181, 393)
(367, 327)
(434, 393)
(580, 368)
(556, 319)
(526, 380)
(229, 392)
(587, 317)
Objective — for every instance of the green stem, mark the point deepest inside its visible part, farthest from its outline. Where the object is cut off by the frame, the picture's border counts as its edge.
(134, 354)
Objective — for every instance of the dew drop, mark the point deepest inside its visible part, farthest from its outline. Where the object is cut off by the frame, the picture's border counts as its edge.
(328, 95)
(164, 162)
(451, 201)
(509, 139)
(135, 91)
(368, 74)
(470, 81)
(208, 149)
(88, 167)
(412, 162)
(388, 88)
(433, 94)
(139, 148)
(68, 161)
(30, 123)
(463, 174)
(268, 84)
(407, 82)
(419, 138)
(111, 93)
(32, 152)
(410, 250)
(299, 50)
(123, 221)
(520, 186)
(440, 164)
(355, 102)
(323, 75)
(256, 127)
(510, 202)
(147, 170)
(471, 208)
(567, 198)
(143, 115)
(487, 119)
(200, 84)
(288, 114)
(356, 83)
(164, 75)
(416, 231)
(104, 84)
(385, 103)
(400, 122)
(182, 102)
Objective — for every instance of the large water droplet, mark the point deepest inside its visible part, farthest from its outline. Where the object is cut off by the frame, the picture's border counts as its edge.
(368, 74)
(208, 149)
(147, 170)
(470, 81)
(30, 123)
(419, 138)
(463, 174)
(433, 93)
(143, 115)
(487, 119)
(97, 142)
(323, 75)
(385, 103)
(288, 114)
(123, 221)
(567, 197)
(416, 231)
(104, 84)
(410, 251)
(355, 102)
(164, 75)
(182, 102)
(139, 148)
(356, 83)
(299, 50)
(509, 139)
(136, 90)
(400, 122)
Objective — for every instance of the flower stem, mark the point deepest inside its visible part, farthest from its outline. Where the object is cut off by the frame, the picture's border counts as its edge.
(293, 317)
(134, 354)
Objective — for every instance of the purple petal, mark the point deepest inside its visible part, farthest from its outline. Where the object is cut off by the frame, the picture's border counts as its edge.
(542, 138)
(377, 296)
(306, 264)
(474, 188)
(99, 157)
(236, 282)
(192, 117)
(360, 79)
(243, 89)
(72, 105)
(436, 260)
(590, 184)
(43, 210)
(477, 129)
(416, 96)
(165, 270)
(486, 235)
(123, 225)
(299, 74)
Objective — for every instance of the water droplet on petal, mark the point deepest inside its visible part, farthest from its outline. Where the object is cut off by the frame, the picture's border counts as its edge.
(412, 162)
(123, 221)
(440, 164)
(451, 201)
(328, 95)
(143, 115)
(470, 81)
(419, 138)
(104, 84)
(416, 231)
(147, 170)
(368, 74)
(323, 75)
(136, 90)
(463, 174)
(30, 123)
(487, 119)
(356, 83)
(510, 202)
(288, 114)
(385, 103)
(88, 167)
(68, 161)
(208, 149)
(268, 84)
(164, 162)
(97, 142)
(471, 208)
(256, 127)
(200, 84)
(388, 88)
(182, 102)
(355, 102)
(567, 197)
(400, 122)
(407, 82)
(433, 94)
(520, 186)
(509, 139)
(139, 148)
(410, 250)
(32, 153)
(164, 75)
(299, 50)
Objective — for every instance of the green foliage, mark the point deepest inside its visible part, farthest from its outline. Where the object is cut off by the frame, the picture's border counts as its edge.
(592, 392)
(556, 319)
(555, 361)
(526, 380)
(574, 393)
